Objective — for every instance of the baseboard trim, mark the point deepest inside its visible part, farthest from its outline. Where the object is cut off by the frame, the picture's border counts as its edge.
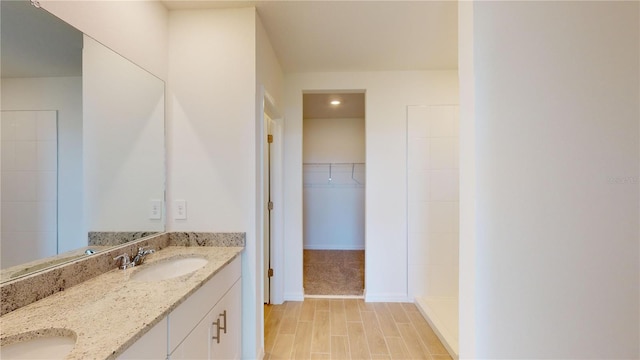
(294, 297)
(333, 247)
(391, 297)
(447, 339)
(334, 296)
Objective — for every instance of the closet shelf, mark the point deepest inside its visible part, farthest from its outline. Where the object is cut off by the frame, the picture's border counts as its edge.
(328, 175)
(332, 163)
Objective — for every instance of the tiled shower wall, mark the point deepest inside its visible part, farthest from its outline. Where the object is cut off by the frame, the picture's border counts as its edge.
(29, 185)
(432, 190)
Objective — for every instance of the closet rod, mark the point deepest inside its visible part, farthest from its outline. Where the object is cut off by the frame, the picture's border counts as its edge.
(341, 163)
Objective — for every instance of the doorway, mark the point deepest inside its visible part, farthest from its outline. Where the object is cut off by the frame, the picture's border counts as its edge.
(333, 193)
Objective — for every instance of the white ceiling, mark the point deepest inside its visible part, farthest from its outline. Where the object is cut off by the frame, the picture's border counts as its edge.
(318, 36)
(356, 35)
(308, 36)
(318, 106)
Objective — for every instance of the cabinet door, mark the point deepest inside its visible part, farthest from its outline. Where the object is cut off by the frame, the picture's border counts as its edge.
(229, 345)
(184, 318)
(152, 345)
(195, 345)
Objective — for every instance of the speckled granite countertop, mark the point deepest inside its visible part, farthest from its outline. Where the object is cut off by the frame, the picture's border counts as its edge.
(110, 312)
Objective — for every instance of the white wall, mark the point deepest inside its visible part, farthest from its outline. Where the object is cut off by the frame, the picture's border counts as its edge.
(212, 138)
(268, 71)
(29, 185)
(557, 164)
(334, 217)
(123, 147)
(467, 242)
(212, 124)
(387, 96)
(137, 30)
(63, 94)
(333, 140)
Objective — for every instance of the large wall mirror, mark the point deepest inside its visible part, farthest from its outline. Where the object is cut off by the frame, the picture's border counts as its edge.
(82, 144)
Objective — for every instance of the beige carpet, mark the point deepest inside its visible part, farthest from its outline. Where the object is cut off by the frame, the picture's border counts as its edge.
(333, 272)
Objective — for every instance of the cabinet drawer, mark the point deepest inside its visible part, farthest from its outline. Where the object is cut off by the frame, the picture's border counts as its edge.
(182, 319)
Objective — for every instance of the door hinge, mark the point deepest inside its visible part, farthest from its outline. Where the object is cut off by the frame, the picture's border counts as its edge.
(270, 205)
(270, 273)
(269, 139)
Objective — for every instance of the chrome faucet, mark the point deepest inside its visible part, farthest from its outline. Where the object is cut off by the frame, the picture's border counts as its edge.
(124, 261)
(141, 255)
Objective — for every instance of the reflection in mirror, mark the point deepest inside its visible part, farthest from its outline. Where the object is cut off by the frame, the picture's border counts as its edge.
(82, 151)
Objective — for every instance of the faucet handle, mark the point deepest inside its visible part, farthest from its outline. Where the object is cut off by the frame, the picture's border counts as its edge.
(142, 251)
(139, 258)
(123, 261)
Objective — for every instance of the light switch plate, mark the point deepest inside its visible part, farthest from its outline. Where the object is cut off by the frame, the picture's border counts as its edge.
(155, 209)
(180, 210)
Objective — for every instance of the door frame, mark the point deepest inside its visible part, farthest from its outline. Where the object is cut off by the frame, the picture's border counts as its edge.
(269, 108)
(277, 214)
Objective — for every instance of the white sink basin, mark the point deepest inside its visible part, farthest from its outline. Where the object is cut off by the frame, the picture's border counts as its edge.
(44, 347)
(169, 268)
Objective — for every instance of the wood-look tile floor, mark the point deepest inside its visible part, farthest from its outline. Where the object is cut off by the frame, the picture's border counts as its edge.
(333, 272)
(348, 329)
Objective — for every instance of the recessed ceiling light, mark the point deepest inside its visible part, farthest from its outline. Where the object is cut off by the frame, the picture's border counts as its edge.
(335, 102)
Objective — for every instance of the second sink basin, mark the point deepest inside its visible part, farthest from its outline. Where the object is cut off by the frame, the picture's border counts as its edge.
(43, 346)
(168, 268)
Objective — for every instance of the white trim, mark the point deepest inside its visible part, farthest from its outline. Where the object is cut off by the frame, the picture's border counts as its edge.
(254, 332)
(269, 108)
(449, 341)
(261, 353)
(277, 214)
(333, 247)
(293, 297)
(386, 297)
(334, 296)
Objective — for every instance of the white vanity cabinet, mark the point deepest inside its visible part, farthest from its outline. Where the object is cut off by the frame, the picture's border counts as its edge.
(188, 331)
(152, 345)
(193, 325)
